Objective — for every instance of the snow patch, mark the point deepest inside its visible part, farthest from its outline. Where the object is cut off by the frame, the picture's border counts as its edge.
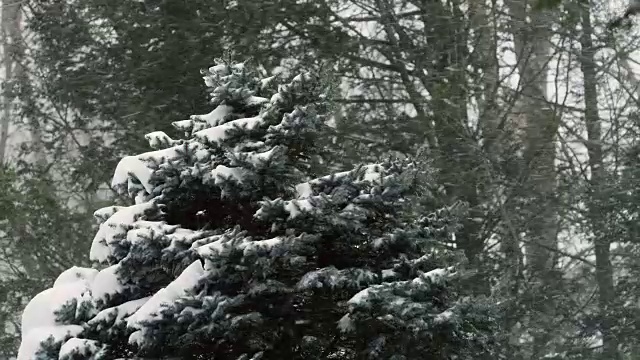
(30, 345)
(144, 230)
(118, 313)
(304, 190)
(218, 69)
(297, 207)
(443, 317)
(256, 100)
(388, 274)
(251, 246)
(135, 167)
(346, 324)
(212, 248)
(75, 347)
(178, 288)
(222, 172)
(106, 283)
(264, 83)
(218, 134)
(436, 276)
(136, 338)
(258, 158)
(114, 229)
(157, 139)
(215, 117)
(105, 213)
(75, 274)
(183, 125)
(131, 166)
(40, 312)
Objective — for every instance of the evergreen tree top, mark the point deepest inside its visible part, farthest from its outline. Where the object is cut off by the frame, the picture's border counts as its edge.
(233, 250)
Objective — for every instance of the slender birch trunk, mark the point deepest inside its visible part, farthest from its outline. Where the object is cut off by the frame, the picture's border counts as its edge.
(602, 244)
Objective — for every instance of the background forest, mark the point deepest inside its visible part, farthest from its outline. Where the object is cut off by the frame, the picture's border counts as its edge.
(528, 116)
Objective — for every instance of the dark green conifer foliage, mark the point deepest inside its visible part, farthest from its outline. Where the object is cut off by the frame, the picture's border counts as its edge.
(233, 250)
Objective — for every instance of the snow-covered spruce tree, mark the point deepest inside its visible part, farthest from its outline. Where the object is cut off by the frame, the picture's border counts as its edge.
(232, 251)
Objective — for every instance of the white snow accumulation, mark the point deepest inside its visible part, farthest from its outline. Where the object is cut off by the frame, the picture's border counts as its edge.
(264, 83)
(215, 117)
(246, 245)
(40, 310)
(305, 194)
(136, 167)
(435, 276)
(75, 274)
(105, 213)
(256, 100)
(30, 345)
(332, 277)
(106, 283)
(115, 229)
(251, 246)
(181, 286)
(78, 346)
(222, 172)
(199, 122)
(218, 134)
(296, 207)
(443, 317)
(158, 138)
(372, 173)
(304, 190)
(118, 313)
(258, 157)
(39, 319)
(183, 125)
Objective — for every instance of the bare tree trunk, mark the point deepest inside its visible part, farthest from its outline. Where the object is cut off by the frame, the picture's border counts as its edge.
(484, 22)
(532, 45)
(484, 25)
(604, 270)
(6, 114)
(532, 39)
(13, 52)
(11, 39)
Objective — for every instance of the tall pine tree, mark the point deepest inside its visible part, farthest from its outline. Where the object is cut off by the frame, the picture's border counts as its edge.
(235, 249)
